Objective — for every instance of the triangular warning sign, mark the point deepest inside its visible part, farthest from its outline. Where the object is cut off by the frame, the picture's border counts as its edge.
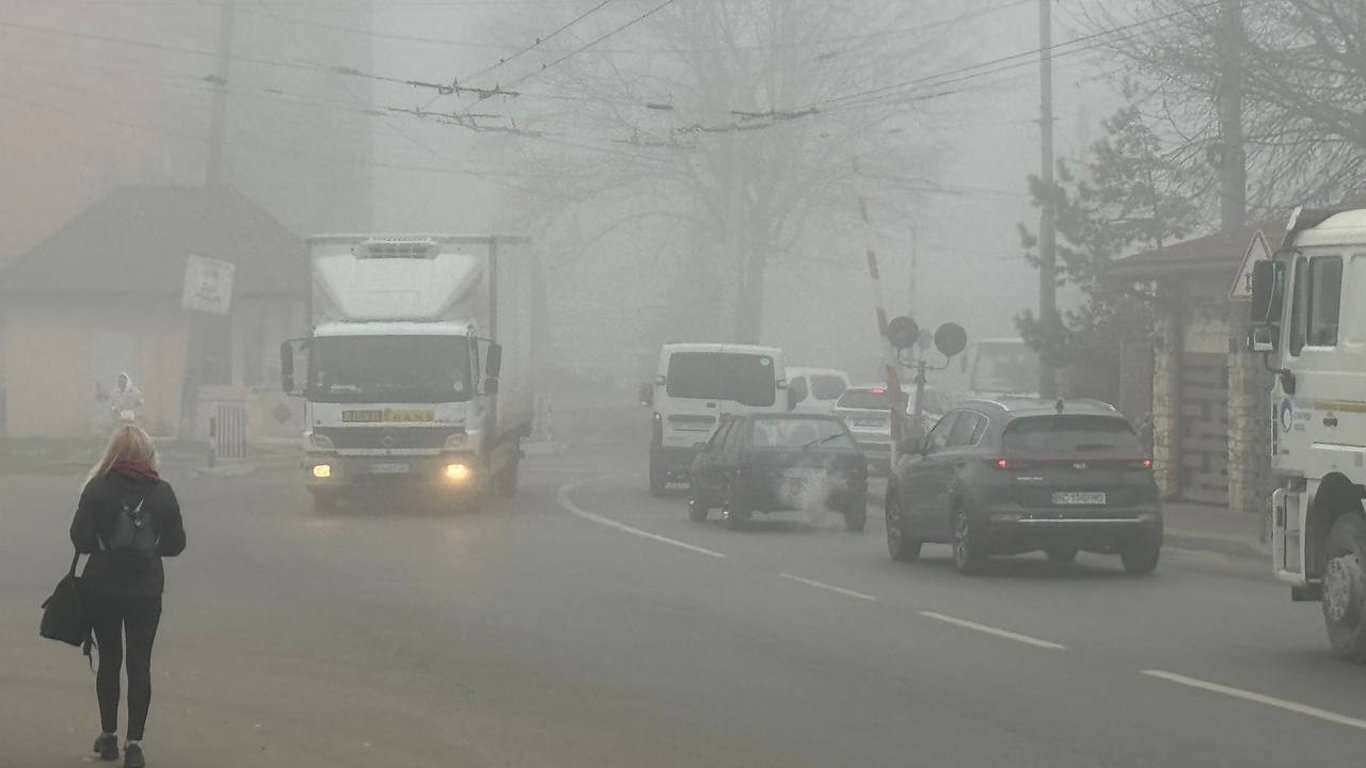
(1257, 251)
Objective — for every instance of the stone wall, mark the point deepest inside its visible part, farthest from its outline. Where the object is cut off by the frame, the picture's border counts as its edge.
(1168, 351)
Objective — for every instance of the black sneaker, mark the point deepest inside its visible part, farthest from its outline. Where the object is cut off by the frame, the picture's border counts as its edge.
(107, 747)
(132, 757)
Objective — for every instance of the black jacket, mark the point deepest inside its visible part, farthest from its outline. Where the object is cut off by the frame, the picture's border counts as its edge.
(101, 500)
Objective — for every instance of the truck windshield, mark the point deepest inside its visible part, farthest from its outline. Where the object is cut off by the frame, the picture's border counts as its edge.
(743, 378)
(415, 369)
(1006, 368)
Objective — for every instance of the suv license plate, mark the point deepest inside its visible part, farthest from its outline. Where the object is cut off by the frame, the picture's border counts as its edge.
(389, 469)
(1079, 497)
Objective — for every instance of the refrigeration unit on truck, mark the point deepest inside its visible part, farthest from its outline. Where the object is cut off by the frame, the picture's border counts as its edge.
(1309, 321)
(417, 372)
(694, 386)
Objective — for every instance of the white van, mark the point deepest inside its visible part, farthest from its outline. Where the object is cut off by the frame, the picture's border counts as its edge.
(696, 384)
(815, 390)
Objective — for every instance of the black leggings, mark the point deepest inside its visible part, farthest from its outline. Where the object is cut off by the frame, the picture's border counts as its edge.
(138, 618)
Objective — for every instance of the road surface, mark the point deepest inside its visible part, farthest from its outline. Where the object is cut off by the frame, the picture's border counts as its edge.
(585, 624)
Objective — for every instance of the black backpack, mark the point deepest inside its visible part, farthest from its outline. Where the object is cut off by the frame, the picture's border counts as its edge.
(132, 549)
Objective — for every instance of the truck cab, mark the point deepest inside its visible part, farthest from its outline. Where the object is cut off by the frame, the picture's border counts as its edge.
(1309, 322)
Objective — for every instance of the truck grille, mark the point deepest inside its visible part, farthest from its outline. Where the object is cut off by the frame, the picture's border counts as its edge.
(378, 438)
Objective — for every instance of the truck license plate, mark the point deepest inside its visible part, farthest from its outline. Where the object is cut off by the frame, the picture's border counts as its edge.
(389, 469)
(1094, 498)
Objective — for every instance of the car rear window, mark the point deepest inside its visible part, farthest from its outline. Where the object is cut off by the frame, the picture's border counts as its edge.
(1071, 434)
(826, 387)
(795, 433)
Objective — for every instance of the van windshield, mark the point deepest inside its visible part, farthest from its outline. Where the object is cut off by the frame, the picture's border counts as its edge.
(740, 377)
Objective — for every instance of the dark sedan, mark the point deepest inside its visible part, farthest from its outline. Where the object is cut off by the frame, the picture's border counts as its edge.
(779, 462)
(1011, 476)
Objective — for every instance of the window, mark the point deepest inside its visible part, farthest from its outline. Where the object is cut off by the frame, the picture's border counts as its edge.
(743, 378)
(800, 433)
(826, 387)
(964, 429)
(1325, 299)
(1318, 299)
(1066, 435)
(939, 436)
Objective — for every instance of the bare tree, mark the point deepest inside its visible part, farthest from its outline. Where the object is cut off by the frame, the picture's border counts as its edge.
(728, 137)
(1303, 87)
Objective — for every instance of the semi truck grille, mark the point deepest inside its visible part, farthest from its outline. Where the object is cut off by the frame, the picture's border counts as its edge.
(358, 438)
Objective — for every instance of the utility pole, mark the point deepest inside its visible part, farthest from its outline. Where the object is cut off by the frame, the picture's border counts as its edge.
(214, 178)
(1232, 156)
(218, 126)
(915, 258)
(1048, 238)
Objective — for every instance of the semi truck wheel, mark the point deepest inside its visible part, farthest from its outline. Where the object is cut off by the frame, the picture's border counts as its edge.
(1344, 587)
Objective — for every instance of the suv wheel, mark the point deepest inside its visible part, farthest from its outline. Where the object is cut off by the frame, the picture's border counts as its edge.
(1140, 559)
(967, 550)
(734, 513)
(902, 547)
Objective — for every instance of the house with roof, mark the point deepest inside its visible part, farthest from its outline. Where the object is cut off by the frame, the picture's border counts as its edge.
(103, 295)
(1210, 398)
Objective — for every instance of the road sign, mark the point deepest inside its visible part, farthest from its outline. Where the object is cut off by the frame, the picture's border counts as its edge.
(1257, 251)
(208, 285)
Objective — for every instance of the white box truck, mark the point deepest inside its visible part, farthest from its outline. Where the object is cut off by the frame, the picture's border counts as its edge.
(1309, 320)
(417, 372)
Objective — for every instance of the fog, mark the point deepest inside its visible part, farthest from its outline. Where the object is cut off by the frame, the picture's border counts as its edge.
(635, 382)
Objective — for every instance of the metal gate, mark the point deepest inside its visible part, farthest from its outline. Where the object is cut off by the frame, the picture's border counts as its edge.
(228, 429)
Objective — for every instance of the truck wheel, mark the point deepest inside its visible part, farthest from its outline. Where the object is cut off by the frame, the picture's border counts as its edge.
(1061, 555)
(1141, 559)
(509, 478)
(902, 547)
(659, 479)
(1344, 587)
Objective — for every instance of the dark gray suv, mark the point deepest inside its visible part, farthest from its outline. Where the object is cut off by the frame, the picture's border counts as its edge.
(1010, 476)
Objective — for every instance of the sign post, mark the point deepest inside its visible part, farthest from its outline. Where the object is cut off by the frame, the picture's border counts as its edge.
(207, 290)
(1257, 250)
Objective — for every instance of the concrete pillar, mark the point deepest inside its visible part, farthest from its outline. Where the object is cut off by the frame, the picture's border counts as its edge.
(1168, 342)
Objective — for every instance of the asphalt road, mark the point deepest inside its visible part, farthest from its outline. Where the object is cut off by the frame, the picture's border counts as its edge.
(586, 624)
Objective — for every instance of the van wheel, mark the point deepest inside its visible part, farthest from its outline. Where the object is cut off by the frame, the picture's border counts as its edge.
(1344, 587)
(659, 479)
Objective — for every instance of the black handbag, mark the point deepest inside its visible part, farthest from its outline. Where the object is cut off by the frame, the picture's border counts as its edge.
(66, 614)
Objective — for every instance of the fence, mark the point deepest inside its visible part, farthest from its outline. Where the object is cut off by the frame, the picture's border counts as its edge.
(228, 430)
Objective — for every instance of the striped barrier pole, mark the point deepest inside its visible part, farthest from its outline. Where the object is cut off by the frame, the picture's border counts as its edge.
(889, 353)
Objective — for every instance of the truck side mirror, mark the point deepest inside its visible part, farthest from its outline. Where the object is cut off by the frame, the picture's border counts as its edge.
(493, 361)
(289, 352)
(1268, 294)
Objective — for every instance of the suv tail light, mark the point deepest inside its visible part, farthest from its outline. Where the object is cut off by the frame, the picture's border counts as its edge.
(1008, 464)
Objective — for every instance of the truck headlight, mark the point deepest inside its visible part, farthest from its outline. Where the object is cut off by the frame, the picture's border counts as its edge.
(322, 471)
(456, 440)
(458, 473)
(321, 442)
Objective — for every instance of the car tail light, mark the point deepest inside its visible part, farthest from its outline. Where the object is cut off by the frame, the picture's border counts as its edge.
(1007, 463)
(659, 416)
(1145, 464)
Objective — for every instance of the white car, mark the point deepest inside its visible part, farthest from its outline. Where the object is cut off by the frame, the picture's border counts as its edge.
(815, 390)
(867, 412)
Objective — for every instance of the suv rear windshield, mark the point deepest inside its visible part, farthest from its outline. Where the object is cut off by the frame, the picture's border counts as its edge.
(796, 433)
(1071, 434)
(743, 378)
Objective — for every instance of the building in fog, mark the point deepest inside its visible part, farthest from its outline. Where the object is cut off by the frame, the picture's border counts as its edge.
(103, 296)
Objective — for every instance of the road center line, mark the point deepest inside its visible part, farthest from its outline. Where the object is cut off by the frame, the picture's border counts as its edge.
(562, 498)
(830, 587)
(1026, 639)
(1270, 701)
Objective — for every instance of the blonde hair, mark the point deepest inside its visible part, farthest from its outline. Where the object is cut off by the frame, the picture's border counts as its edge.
(128, 444)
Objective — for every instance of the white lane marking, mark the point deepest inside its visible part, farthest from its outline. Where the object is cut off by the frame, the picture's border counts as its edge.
(1016, 636)
(1270, 701)
(831, 587)
(562, 498)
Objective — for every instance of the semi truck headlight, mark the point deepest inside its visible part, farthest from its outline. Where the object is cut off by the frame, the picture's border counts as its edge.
(322, 471)
(457, 472)
(321, 442)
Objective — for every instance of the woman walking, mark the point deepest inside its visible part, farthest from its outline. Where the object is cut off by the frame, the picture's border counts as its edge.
(127, 520)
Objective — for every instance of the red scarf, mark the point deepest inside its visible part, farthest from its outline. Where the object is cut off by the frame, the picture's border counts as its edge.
(139, 470)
